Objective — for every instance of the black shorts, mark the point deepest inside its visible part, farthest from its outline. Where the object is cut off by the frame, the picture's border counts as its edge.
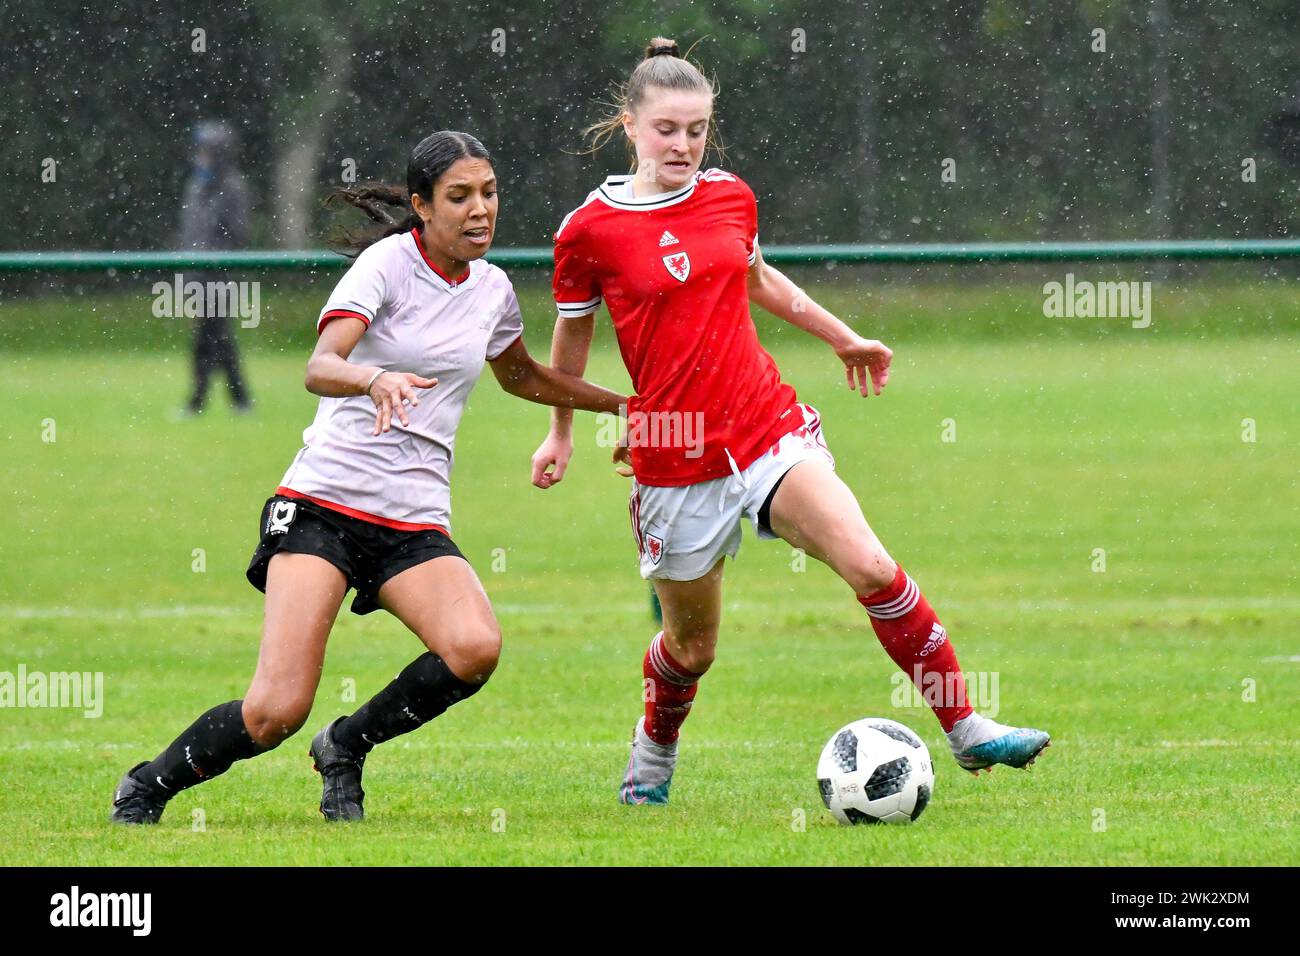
(368, 554)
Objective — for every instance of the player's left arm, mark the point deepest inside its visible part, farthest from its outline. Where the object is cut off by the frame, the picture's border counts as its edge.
(520, 374)
(866, 361)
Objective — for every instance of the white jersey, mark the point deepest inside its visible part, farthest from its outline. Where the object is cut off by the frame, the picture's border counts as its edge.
(417, 320)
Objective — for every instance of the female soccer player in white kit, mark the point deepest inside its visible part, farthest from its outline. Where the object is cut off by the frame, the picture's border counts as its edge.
(714, 434)
(366, 502)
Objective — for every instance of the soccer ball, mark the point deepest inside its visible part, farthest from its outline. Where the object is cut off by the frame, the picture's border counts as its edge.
(875, 771)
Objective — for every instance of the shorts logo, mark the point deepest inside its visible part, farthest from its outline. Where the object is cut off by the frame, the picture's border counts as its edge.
(678, 265)
(654, 546)
(282, 515)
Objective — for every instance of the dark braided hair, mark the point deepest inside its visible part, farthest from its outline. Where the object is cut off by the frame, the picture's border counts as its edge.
(390, 206)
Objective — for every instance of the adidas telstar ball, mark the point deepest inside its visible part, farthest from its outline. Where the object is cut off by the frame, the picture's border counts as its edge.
(875, 771)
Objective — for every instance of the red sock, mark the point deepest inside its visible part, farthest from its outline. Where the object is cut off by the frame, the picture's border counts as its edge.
(912, 636)
(669, 690)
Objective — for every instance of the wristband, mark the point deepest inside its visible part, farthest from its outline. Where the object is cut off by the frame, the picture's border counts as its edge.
(378, 372)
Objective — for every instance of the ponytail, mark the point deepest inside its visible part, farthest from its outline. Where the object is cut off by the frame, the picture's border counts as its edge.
(390, 206)
(663, 67)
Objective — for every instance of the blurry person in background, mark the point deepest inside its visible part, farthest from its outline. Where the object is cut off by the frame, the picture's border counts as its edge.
(214, 216)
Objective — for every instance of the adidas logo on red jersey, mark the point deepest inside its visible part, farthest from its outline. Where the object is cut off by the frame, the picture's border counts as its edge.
(667, 239)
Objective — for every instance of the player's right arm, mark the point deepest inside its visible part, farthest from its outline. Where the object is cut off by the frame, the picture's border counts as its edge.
(355, 303)
(577, 297)
(570, 348)
(331, 375)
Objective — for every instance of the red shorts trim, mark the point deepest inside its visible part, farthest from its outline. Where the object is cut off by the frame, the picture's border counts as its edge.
(361, 515)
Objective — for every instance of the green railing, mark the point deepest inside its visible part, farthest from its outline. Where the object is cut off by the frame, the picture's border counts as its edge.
(540, 256)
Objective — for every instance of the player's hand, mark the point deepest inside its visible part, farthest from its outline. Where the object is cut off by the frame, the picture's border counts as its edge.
(554, 451)
(392, 392)
(866, 364)
(623, 458)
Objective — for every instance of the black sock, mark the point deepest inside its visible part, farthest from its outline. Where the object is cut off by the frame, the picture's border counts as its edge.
(420, 693)
(206, 749)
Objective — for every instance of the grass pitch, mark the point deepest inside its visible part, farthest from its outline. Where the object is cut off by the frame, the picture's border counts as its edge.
(1169, 681)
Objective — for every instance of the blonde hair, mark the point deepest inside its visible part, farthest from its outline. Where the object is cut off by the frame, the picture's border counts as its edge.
(663, 68)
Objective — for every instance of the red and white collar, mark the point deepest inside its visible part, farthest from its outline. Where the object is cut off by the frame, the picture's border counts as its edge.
(447, 282)
(616, 191)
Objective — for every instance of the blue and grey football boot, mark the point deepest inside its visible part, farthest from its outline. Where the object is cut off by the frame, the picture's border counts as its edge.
(979, 743)
(649, 770)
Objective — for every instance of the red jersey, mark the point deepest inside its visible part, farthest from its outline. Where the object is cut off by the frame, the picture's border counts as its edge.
(672, 269)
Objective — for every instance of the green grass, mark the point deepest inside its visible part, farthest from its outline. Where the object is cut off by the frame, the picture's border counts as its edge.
(1105, 437)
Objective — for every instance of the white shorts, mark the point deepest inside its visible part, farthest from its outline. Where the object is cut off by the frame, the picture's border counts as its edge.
(682, 531)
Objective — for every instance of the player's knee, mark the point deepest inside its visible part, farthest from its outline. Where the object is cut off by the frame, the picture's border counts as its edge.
(473, 652)
(869, 571)
(271, 721)
(700, 659)
(694, 651)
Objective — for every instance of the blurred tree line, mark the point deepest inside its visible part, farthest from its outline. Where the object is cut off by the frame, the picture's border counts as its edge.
(853, 121)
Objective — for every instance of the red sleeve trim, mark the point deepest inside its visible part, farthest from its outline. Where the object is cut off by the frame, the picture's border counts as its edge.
(339, 314)
(493, 358)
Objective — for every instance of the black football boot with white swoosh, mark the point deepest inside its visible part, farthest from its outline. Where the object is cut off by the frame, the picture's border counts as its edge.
(135, 801)
(340, 770)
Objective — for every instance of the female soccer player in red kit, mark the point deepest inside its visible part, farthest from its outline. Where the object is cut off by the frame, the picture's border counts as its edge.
(673, 253)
